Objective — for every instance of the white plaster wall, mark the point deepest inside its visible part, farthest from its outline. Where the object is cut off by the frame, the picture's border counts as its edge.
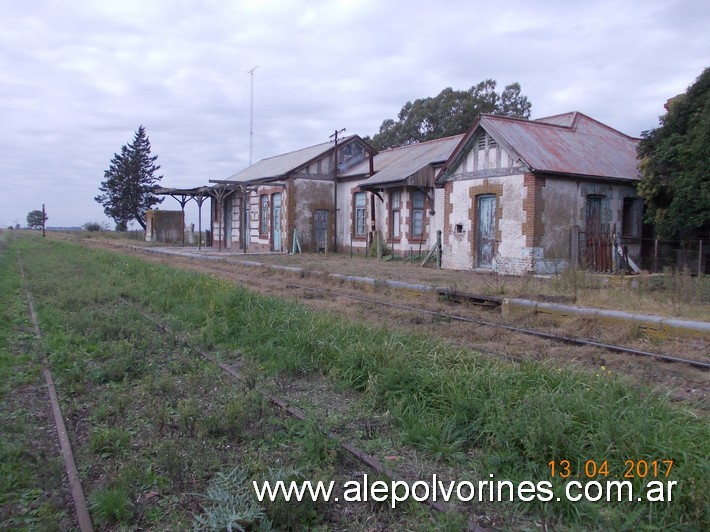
(436, 220)
(457, 253)
(407, 244)
(564, 207)
(235, 223)
(231, 218)
(254, 218)
(513, 255)
(382, 221)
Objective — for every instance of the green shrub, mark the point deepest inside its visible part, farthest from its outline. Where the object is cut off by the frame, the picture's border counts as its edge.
(111, 506)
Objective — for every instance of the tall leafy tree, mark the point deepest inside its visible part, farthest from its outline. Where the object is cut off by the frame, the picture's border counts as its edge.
(449, 113)
(128, 185)
(36, 219)
(673, 160)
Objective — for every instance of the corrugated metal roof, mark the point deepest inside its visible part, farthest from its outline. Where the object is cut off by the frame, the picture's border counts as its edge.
(398, 164)
(571, 143)
(283, 164)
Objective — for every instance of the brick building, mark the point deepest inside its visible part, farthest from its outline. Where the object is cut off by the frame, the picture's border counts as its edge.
(510, 196)
(536, 196)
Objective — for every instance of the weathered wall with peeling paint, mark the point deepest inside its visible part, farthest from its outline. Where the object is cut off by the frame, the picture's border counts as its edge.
(164, 226)
(309, 195)
(532, 235)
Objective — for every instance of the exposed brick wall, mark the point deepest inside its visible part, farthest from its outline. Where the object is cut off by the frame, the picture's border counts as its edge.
(448, 210)
(534, 207)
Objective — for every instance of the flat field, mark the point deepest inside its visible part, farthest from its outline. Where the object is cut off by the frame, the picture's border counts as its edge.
(165, 440)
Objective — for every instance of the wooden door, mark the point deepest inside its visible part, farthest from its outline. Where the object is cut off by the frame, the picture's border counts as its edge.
(486, 231)
(276, 222)
(320, 228)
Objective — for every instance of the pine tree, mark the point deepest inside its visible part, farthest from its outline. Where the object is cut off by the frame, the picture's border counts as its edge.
(128, 185)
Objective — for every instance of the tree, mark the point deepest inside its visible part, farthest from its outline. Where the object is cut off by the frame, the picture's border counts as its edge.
(673, 160)
(129, 183)
(92, 226)
(449, 113)
(36, 219)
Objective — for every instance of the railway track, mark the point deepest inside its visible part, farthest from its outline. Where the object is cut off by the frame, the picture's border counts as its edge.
(381, 303)
(82, 513)
(255, 282)
(521, 330)
(284, 405)
(83, 517)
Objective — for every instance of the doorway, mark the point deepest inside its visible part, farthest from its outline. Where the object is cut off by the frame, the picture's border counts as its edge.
(486, 231)
(276, 222)
(227, 220)
(320, 229)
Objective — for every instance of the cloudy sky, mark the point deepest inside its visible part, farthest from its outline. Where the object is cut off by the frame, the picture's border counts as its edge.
(77, 77)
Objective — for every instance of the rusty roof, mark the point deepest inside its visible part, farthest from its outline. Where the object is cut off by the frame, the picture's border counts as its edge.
(397, 164)
(570, 143)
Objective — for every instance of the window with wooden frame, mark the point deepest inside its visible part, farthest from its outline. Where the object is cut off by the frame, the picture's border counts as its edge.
(395, 198)
(417, 229)
(263, 214)
(359, 213)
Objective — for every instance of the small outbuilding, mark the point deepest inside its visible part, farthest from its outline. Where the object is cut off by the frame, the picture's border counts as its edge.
(164, 226)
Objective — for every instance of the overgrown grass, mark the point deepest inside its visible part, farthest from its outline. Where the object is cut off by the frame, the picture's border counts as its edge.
(151, 422)
(488, 417)
(28, 463)
(673, 292)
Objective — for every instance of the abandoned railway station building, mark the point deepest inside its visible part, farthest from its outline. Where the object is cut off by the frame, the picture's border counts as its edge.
(510, 196)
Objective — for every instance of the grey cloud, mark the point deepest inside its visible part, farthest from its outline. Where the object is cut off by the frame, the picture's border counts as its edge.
(76, 79)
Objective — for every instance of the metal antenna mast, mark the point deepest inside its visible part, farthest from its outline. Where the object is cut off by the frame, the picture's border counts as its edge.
(251, 116)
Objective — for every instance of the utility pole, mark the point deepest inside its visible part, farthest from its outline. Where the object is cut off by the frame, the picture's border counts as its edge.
(334, 138)
(251, 116)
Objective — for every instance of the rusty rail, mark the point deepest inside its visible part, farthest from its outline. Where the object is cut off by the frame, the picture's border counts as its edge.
(82, 512)
(296, 412)
(531, 332)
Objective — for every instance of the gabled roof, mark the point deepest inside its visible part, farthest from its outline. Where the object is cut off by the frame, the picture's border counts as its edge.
(570, 143)
(280, 166)
(396, 165)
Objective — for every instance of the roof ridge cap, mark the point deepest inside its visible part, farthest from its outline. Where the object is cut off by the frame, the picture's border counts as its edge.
(421, 143)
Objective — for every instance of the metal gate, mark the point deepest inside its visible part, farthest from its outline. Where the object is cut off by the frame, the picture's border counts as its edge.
(598, 240)
(599, 247)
